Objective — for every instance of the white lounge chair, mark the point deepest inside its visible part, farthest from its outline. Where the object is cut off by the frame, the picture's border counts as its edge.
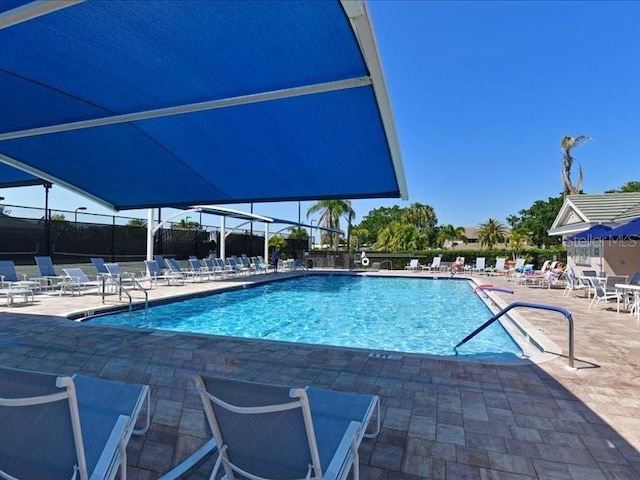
(435, 264)
(412, 265)
(498, 268)
(480, 265)
(59, 428)
(295, 433)
(76, 279)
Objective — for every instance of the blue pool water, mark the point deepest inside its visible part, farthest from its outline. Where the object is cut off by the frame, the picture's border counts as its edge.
(392, 314)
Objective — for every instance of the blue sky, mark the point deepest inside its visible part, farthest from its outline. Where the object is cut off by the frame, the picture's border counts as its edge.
(482, 93)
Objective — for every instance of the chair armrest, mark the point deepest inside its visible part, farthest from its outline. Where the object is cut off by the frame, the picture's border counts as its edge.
(114, 452)
(346, 454)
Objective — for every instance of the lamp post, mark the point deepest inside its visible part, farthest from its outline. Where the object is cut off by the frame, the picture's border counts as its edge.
(75, 217)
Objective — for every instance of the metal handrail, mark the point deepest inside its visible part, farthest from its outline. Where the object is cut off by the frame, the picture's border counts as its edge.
(539, 306)
(121, 289)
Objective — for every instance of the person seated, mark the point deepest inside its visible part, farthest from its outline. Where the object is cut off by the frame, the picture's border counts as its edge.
(554, 275)
(458, 264)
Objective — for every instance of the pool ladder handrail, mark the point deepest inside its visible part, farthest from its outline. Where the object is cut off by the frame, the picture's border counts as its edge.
(122, 289)
(539, 306)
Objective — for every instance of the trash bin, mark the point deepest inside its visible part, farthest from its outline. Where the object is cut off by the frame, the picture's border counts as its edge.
(309, 263)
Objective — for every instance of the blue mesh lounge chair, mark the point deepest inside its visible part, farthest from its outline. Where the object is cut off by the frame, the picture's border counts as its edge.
(155, 273)
(98, 262)
(48, 275)
(59, 427)
(76, 279)
(303, 433)
(174, 269)
(9, 277)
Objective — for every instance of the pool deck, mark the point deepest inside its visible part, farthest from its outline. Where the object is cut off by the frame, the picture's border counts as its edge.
(442, 418)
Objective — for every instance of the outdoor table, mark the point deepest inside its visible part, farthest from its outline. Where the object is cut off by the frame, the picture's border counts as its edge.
(10, 293)
(630, 288)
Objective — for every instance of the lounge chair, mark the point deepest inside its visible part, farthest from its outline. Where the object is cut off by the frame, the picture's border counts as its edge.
(126, 279)
(196, 269)
(155, 273)
(435, 264)
(498, 268)
(98, 262)
(48, 275)
(294, 432)
(58, 427)
(412, 265)
(174, 269)
(9, 277)
(161, 263)
(76, 279)
(479, 266)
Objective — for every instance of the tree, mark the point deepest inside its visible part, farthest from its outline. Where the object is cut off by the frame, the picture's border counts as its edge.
(278, 241)
(448, 234)
(185, 224)
(517, 241)
(537, 220)
(567, 144)
(400, 237)
(137, 222)
(58, 217)
(378, 219)
(628, 187)
(298, 233)
(491, 232)
(419, 215)
(330, 213)
(358, 235)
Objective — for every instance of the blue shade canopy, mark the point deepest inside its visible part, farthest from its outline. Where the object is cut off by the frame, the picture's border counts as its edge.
(12, 177)
(628, 230)
(141, 104)
(590, 234)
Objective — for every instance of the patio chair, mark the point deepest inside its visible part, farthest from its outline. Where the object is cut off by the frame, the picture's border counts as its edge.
(98, 262)
(479, 266)
(59, 427)
(174, 269)
(76, 279)
(575, 283)
(126, 279)
(9, 277)
(48, 275)
(435, 264)
(412, 265)
(295, 432)
(602, 292)
(498, 268)
(196, 269)
(155, 273)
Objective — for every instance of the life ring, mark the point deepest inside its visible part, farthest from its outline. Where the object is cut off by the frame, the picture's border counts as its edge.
(482, 287)
(364, 261)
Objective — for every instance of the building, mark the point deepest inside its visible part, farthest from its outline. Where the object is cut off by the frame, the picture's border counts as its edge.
(581, 212)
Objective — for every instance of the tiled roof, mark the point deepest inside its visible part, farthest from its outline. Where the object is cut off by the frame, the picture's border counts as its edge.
(607, 207)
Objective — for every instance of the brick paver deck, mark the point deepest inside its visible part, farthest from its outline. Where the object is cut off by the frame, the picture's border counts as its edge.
(442, 418)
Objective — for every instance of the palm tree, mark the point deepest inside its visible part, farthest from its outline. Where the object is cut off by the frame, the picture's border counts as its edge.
(137, 222)
(400, 237)
(330, 213)
(491, 232)
(422, 216)
(298, 233)
(567, 144)
(448, 234)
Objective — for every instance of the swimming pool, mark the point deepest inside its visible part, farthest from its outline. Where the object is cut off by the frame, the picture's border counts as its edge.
(412, 315)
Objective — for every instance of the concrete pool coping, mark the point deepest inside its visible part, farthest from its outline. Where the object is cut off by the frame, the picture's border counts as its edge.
(442, 418)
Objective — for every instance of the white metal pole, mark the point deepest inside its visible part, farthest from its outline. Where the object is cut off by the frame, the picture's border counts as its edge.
(223, 238)
(266, 242)
(150, 234)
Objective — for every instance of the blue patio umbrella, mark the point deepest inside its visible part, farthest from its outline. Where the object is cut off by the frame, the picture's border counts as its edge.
(596, 232)
(628, 230)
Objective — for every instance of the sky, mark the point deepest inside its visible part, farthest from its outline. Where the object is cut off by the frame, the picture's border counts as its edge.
(482, 93)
